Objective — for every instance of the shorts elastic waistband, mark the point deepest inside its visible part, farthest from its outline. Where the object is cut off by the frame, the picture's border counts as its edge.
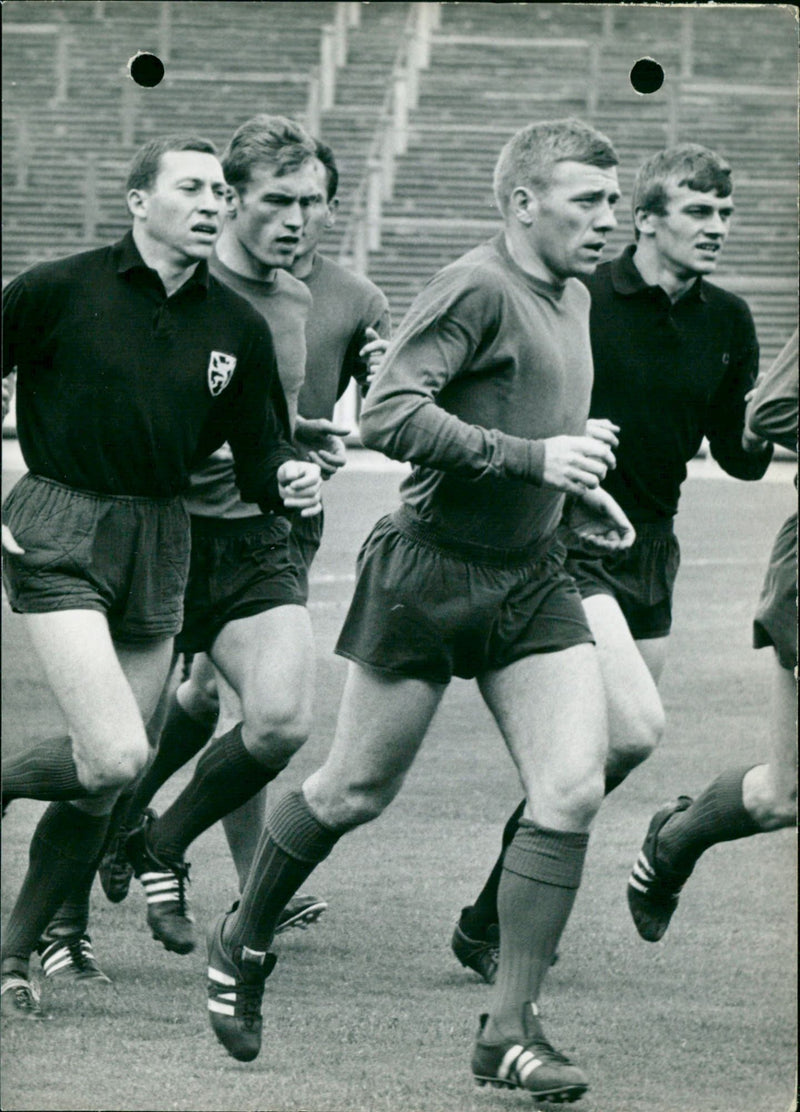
(417, 530)
(239, 526)
(143, 499)
(664, 528)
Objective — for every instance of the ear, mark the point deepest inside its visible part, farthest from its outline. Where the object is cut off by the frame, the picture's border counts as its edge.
(137, 202)
(231, 202)
(523, 204)
(645, 222)
(330, 219)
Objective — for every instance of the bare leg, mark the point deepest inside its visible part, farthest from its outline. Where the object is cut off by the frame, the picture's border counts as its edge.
(551, 711)
(103, 690)
(770, 790)
(382, 722)
(630, 670)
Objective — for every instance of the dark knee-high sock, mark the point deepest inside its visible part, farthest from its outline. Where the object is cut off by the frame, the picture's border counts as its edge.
(72, 917)
(42, 769)
(541, 873)
(65, 843)
(225, 777)
(294, 842)
(717, 815)
(181, 738)
(477, 919)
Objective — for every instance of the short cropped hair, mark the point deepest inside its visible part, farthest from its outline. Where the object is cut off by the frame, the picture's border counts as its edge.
(530, 156)
(147, 160)
(687, 164)
(273, 141)
(325, 156)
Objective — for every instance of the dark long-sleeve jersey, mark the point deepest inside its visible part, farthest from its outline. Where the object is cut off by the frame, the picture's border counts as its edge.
(487, 363)
(345, 305)
(120, 389)
(283, 302)
(669, 374)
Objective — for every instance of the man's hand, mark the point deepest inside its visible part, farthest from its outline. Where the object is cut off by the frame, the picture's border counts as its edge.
(331, 458)
(324, 439)
(315, 431)
(752, 443)
(373, 351)
(579, 463)
(602, 429)
(300, 486)
(597, 519)
(9, 544)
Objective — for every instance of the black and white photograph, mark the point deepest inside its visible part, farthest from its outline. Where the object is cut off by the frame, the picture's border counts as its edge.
(399, 556)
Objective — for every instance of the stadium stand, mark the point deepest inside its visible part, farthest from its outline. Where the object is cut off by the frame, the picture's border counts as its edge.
(415, 99)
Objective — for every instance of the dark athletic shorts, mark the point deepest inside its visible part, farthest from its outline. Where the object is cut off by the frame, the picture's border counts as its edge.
(125, 556)
(304, 542)
(239, 568)
(429, 609)
(641, 579)
(775, 622)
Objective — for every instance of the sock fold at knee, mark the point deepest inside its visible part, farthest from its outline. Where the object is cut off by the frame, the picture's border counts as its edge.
(294, 827)
(43, 769)
(550, 856)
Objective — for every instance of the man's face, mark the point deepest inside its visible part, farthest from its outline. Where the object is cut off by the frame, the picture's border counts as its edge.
(572, 218)
(320, 216)
(689, 238)
(183, 211)
(272, 212)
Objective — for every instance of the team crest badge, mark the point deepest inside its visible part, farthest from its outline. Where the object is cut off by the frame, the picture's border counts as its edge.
(220, 371)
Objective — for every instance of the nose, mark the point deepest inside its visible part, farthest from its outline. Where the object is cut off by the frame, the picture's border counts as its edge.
(209, 201)
(293, 216)
(716, 225)
(606, 219)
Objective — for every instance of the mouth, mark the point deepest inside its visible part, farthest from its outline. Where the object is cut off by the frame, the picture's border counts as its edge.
(204, 229)
(709, 248)
(595, 247)
(288, 242)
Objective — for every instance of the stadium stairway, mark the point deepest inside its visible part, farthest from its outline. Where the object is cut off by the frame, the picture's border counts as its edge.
(493, 68)
(72, 117)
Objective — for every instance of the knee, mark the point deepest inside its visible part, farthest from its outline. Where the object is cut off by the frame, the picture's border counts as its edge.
(346, 807)
(771, 804)
(570, 803)
(114, 768)
(784, 810)
(635, 738)
(199, 700)
(584, 798)
(276, 729)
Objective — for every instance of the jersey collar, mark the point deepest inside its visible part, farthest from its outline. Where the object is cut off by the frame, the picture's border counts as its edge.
(628, 281)
(129, 259)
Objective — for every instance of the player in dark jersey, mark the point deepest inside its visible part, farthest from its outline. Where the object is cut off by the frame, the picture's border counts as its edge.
(245, 599)
(753, 799)
(485, 389)
(131, 362)
(345, 328)
(674, 357)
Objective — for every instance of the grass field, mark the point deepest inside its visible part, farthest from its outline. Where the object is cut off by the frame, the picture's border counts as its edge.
(368, 1010)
